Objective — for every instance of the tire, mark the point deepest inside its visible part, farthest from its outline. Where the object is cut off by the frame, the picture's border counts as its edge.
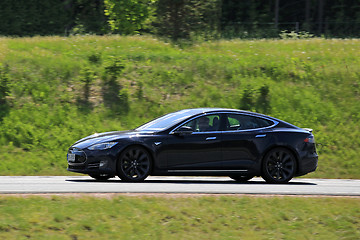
(278, 166)
(134, 164)
(240, 178)
(101, 177)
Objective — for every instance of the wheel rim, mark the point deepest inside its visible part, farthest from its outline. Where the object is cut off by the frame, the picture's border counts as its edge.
(135, 163)
(280, 165)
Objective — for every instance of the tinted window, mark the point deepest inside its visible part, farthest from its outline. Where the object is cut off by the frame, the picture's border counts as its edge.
(165, 121)
(245, 122)
(205, 124)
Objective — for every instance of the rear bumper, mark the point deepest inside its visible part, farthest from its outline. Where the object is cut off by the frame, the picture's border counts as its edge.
(307, 165)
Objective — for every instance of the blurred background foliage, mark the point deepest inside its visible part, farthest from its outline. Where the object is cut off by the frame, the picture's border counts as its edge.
(181, 19)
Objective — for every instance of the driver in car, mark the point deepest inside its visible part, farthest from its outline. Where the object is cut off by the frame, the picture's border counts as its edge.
(204, 124)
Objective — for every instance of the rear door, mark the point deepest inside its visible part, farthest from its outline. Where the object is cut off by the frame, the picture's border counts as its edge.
(243, 140)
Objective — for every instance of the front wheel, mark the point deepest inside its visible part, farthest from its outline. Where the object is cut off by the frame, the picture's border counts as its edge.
(240, 178)
(101, 177)
(279, 166)
(134, 164)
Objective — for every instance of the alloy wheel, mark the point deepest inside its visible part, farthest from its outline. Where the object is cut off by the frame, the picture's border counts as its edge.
(279, 166)
(134, 164)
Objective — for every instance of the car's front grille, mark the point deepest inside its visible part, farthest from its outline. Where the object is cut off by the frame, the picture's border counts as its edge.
(80, 156)
(80, 159)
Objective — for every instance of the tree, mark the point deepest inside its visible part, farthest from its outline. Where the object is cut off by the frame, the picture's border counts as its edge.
(277, 13)
(88, 16)
(307, 14)
(126, 16)
(181, 19)
(320, 16)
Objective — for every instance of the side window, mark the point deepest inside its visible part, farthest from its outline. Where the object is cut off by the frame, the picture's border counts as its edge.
(206, 123)
(245, 122)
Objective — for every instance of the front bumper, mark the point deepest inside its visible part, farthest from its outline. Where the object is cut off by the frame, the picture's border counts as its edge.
(92, 162)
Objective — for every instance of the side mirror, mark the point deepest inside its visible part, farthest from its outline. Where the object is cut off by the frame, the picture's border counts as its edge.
(183, 130)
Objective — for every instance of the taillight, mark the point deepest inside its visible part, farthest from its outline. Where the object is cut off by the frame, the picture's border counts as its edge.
(310, 139)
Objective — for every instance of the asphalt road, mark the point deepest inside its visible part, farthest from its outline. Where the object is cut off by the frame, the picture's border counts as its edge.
(187, 185)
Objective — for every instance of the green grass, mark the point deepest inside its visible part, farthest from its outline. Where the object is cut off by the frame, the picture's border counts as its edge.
(218, 217)
(312, 83)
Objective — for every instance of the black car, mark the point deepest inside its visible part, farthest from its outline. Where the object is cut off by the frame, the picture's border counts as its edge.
(198, 142)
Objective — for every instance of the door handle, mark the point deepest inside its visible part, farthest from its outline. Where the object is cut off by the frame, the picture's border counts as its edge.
(260, 136)
(210, 138)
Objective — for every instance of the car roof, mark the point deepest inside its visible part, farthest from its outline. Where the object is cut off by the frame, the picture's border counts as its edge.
(198, 111)
(195, 111)
(209, 109)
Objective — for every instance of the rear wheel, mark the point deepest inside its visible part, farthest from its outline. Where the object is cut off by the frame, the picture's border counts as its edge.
(279, 166)
(101, 177)
(134, 164)
(240, 178)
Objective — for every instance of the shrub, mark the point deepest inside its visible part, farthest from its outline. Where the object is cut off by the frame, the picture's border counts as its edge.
(4, 83)
(87, 76)
(113, 68)
(248, 99)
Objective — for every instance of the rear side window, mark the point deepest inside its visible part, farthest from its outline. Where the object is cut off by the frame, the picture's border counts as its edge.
(245, 122)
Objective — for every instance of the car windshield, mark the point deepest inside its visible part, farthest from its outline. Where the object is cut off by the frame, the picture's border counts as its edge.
(165, 121)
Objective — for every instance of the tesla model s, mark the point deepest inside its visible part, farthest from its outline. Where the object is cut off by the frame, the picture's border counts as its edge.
(199, 142)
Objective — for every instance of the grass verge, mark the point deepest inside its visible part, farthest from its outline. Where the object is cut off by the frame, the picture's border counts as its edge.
(219, 217)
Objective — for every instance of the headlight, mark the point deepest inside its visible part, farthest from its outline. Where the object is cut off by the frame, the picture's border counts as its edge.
(102, 146)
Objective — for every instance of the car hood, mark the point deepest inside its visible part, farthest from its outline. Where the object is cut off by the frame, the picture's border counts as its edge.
(107, 137)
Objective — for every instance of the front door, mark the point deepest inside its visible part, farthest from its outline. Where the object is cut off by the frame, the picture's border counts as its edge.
(200, 150)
